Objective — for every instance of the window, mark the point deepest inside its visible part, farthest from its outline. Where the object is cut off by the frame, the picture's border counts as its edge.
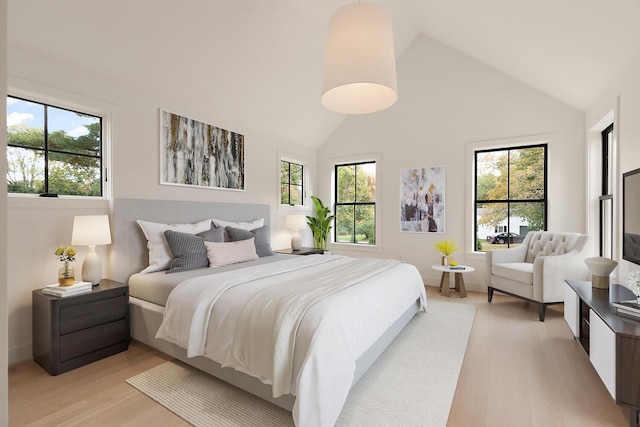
(355, 203)
(606, 194)
(291, 183)
(510, 195)
(52, 150)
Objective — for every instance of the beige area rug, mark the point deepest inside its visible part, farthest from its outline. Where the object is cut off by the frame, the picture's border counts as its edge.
(411, 384)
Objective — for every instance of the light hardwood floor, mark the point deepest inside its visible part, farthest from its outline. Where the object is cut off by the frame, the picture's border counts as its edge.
(517, 371)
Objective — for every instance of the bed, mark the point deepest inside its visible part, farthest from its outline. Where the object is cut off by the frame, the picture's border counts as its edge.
(330, 349)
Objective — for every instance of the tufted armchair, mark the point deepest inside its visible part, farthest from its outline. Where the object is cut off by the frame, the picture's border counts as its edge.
(535, 271)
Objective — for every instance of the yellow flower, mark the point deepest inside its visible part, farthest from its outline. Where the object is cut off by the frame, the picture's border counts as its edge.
(66, 253)
(446, 247)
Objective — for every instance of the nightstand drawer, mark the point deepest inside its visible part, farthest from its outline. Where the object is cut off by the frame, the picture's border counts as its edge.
(89, 340)
(78, 317)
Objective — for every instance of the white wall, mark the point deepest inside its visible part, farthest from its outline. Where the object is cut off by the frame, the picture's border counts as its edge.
(4, 412)
(448, 101)
(37, 226)
(623, 98)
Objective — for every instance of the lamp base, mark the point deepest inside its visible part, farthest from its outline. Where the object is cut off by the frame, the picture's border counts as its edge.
(92, 267)
(296, 241)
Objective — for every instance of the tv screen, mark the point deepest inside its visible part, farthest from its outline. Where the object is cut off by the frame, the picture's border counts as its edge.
(631, 216)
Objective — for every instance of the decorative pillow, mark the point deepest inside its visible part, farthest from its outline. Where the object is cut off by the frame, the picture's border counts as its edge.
(261, 235)
(214, 234)
(225, 253)
(250, 225)
(188, 250)
(159, 253)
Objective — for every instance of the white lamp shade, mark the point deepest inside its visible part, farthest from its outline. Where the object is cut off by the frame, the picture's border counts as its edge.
(296, 222)
(360, 68)
(91, 230)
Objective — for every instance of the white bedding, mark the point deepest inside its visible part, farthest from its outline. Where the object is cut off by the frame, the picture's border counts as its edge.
(331, 336)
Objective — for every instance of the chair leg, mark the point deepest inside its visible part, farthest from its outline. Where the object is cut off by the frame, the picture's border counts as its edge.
(489, 293)
(542, 309)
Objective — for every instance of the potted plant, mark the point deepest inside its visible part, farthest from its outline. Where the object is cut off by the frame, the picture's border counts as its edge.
(320, 224)
(446, 248)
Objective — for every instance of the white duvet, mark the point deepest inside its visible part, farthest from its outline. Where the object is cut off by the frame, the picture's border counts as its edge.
(340, 307)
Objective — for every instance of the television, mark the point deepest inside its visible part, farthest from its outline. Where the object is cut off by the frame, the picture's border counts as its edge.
(631, 216)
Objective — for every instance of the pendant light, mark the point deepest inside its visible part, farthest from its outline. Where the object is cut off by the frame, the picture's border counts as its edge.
(360, 68)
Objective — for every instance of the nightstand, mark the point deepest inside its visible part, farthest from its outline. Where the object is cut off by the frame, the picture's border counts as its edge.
(74, 331)
(301, 251)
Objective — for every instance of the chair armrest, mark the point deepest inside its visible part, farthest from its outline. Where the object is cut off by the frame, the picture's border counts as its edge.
(501, 256)
(509, 255)
(550, 272)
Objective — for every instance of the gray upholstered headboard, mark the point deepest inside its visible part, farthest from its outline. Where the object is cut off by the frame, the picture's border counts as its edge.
(129, 249)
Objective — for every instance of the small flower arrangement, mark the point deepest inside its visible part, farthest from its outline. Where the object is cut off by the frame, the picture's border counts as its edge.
(446, 247)
(633, 283)
(66, 254)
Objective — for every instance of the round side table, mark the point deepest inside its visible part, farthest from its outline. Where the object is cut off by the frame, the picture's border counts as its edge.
(459, 270)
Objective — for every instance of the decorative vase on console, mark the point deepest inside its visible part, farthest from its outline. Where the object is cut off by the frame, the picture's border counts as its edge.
(66, 274)
(600, 268)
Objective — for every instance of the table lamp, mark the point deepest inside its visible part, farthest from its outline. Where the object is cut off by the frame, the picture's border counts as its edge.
(296, 223)
(91, 230)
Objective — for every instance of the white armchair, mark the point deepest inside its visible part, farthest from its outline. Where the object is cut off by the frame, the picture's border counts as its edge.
(536, 270)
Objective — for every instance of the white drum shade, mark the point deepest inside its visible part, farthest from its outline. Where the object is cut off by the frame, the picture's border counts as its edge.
(360, 68)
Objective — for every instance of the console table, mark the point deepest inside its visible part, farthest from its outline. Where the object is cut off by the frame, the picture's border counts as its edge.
(611, 341)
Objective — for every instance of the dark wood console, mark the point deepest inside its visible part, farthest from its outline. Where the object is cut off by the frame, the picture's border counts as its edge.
(597, 325)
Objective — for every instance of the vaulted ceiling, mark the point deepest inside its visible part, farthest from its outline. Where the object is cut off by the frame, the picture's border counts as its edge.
(263, 59)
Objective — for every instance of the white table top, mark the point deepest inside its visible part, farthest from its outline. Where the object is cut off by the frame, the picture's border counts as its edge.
(448, 269)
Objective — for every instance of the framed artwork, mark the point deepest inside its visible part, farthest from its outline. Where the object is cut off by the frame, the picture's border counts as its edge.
(198, 154)
(422, 206)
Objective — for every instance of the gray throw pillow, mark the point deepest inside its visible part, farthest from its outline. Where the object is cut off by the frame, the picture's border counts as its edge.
(261, 235)
(188, 250)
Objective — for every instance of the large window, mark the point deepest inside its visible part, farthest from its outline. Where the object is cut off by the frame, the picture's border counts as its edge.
(291, 183)
(355, 203)
(52, 150)
(606, 194)
(510, 195)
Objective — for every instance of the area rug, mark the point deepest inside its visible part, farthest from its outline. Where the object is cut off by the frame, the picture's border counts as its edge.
(411, 384)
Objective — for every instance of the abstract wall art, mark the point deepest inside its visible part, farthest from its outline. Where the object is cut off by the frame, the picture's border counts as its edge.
(198, 154)
(422, 207)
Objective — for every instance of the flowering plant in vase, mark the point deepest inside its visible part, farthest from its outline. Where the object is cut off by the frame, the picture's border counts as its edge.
(66, 275)
(633, 283)
(446, 248)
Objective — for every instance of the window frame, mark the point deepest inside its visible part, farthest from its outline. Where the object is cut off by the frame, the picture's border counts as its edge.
(307, 171)
(55, 98)
(605, 197)
(304, 182)
(336, 165)
(513, 145)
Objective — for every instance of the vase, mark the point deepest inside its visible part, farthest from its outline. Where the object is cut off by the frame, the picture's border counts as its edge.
(445, 260)
(66, 275)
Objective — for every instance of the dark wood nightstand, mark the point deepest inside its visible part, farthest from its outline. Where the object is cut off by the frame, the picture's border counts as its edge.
(77, 330)
(301, 251)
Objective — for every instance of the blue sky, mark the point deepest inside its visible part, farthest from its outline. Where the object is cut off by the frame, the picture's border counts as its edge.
(32, 115)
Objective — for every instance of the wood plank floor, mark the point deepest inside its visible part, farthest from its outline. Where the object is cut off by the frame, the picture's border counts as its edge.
(517, 371)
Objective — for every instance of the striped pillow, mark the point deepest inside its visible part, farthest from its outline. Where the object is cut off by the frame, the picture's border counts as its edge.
(226, 253)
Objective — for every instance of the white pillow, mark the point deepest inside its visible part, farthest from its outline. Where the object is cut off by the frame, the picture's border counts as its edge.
(159, 252)
(248, 225)
(225, 253)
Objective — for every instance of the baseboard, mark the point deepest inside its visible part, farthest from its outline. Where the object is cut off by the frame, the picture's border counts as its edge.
(20, 354)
